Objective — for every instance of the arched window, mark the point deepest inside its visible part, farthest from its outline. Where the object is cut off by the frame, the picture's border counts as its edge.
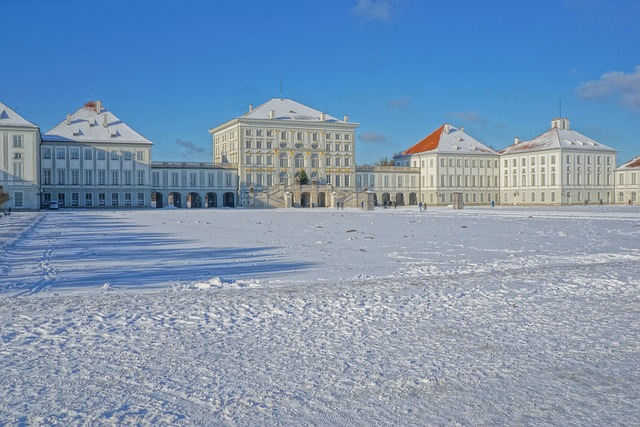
(299, 161)
(284, 178)
(315, 161)
(284, 160)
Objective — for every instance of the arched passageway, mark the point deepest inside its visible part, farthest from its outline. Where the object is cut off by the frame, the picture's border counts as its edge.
(174, 199)
(228, 200)
(156, 199)
(193, 200)
(211, 200)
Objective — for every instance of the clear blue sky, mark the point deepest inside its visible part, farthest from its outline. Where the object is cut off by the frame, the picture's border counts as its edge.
(174, 69)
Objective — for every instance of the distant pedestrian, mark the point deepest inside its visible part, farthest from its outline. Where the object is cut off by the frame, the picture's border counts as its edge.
(630, 202)
(601, 202)
(424, 207)
(362, 205)
(420, 206)
(395, 205)
(493, 204)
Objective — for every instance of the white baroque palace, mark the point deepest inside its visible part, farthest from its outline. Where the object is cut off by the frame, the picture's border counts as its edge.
(561, 166)
(19, 166)
(628, 182)
(285, 154)
(92, 158)
(276, 143)
(451, 161)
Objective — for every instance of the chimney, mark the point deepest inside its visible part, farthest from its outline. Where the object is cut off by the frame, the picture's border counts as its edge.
(346, 118)
(98, 106)
(516, 140)
(105, 120)
(272, 114)
(461, 128)
(250, 107)
(323, 117)
(447, 128)
(68, 119)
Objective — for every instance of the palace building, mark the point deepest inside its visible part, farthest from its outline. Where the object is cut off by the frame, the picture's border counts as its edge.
(561, 166)
(276, 144)
(628, 182)
(92, 158)
(19, 165)
(451, 161)
(286, 154)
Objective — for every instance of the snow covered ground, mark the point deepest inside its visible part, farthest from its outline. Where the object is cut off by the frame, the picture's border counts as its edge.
(505, 316)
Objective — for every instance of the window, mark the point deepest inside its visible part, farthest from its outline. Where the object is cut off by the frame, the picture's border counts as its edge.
(114, 177)
(269, 159)
(101, 199)
(60, 153)
(247, 159)
(128, 155)
(74, 153)
(61, 199)
(284, 178)
(46, 152)
(269, 133)
(140, 177)
(88, 154)
(18, 141)
(17, 169)
(46, 176)
(88, 199)
(284, 134)
(102, 155)
(115, 199)
(140, 155)
(18, 198)
(193, 179)
(300, 136)
(247, 132)
(75, 177)
(127, 177)
(155, 177)
(61, 176)
(114, 155)
(258, 159)
(284, 160)
(75, 200)
(315, 161)
(299, 161)
(127, 199)
(259, 144)
(247, 143)
(347, 180)
(174, 179)
(88, 177)
(140, 199)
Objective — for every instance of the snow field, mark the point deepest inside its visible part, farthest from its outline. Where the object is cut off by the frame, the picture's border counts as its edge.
(506, 316)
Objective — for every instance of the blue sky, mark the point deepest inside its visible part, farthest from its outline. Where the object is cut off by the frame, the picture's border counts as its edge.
(400, 68)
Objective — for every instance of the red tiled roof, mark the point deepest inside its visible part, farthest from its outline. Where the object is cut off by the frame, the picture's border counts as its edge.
(634, 164)
(429, 143)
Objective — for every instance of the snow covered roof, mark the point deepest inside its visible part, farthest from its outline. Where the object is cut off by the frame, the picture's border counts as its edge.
(560, 136)
(8, 117)
(94, 123)
(287, 109)
(631, 164)
(449, 139)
